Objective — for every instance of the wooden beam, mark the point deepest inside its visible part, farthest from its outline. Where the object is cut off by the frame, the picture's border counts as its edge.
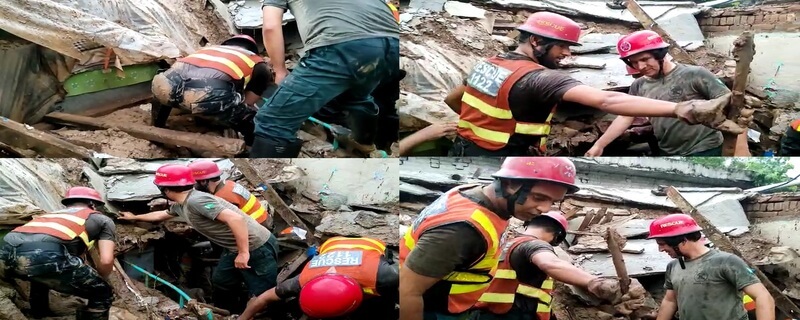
(274, 199)
(677, 52)
(587, 219)
(744, 49)
(22, 136)
(723, 243)
(615, 248)
(196, 141)
(289, 270)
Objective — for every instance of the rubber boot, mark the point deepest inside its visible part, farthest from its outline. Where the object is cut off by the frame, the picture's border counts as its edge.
(267, 148)
(84, 314)
(363, 128)
(159, 114)
(40, 301)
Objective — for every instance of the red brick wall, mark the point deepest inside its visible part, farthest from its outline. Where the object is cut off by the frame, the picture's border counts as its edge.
(772, 206)
(756, 18)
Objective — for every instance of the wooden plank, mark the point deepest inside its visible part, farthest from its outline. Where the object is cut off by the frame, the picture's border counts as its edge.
(584, 224)
(677, 52)
(48, 145)
(599, 216)
(744, 49)
(608, 218)
(274, 199)
(289, 270)
(723, 243)
(196, 141)
(572, 213)
(613, 238)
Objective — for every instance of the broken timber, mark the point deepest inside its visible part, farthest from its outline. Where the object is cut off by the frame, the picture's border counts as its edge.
(196, 141)
(273, 198)
(22, 136)
(744, 49)
(675, 50)
(614, 248)
(723, 243)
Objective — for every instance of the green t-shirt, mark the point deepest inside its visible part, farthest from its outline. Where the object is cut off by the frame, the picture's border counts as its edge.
(710, 288)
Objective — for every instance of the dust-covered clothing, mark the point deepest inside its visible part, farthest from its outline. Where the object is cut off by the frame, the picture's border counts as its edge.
(710, 288)
(98, 227)
(324, 23)
(261, 276)
(531, 99)
(683, 83)
(201, 209)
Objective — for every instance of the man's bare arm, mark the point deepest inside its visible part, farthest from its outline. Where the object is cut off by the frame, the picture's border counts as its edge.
(272, 31)
(619, 103)
(765, 304)
(668, 306)
(453, 99)
(412, 287)
(616, 129)
(561, 270)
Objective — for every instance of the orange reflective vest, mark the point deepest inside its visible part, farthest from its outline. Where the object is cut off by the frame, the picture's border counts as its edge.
(749, 303)
(499, 298)
(357, 258)
(234, 61)
(466, 286)
(65, 226)
(238, 195)
(796, 125)
(486, 117)
(395, 12)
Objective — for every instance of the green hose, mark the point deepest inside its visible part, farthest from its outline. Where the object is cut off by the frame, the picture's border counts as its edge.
(184, 298)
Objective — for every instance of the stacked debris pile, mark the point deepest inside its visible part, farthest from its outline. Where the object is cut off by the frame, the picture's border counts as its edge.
(442, 40)
(173, 251)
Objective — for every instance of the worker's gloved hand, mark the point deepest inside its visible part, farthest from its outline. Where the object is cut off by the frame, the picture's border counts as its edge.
(711, 114)
(605, 288)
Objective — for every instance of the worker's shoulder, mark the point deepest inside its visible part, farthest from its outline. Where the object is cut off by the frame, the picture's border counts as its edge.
(722, 256)
(694, 70)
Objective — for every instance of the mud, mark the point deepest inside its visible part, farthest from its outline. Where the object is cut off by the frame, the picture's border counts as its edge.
(73, 169)
(117, 143)
(268, 168)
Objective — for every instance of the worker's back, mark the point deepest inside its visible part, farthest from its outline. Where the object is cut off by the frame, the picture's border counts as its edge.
(328, 22)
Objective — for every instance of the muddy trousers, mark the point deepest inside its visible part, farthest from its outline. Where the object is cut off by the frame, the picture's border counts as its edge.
(49, 266)
(209, 98)
(465, 148)
(349, 70)
(262, 276)
(514, 314)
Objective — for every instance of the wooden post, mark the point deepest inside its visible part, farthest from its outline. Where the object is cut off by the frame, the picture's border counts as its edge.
(587, 219)
(743, 51)
(612, 238)
(22, 136)
(274, 199)
(723, 243)
(196, 141)
(677, 52)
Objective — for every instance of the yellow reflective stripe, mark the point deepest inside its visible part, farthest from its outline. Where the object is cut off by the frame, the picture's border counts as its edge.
(486, 134)
(547, 284)
(497, 297)
(332, 241)
(534, 293)
(486, 263)
(250, 203)
(368, 291)
(464, 276)
(536, 129)
(53, 225)
(69, 217)
(543, 308)
(467, 288)
(351, 246)
(486, 108)
(747, 299)
(505, 274)
(244, 57)
(409, 240)
(85, 238)
(224, 61)
(257, 215)
(550, 117)
(487, 225)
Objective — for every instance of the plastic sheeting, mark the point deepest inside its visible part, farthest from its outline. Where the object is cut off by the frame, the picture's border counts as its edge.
(598, 9)
(29, 187)
(139, 31)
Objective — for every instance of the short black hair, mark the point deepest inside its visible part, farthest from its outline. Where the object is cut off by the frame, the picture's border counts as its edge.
(88, 202)
(214, 179)
(676, 240)
(548, 224)
(179, 188)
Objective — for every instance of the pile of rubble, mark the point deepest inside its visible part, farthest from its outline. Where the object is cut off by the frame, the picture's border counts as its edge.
(126, 184)
(442, 40)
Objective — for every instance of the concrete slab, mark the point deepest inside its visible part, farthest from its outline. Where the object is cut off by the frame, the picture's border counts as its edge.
(464, 10)
(597, 42)
(361, 223)
(683, 28)
(635, 228)
(138, 187)
(583, 62)
(418, 190)
(432, 5)
(97, 182)
(650, 262)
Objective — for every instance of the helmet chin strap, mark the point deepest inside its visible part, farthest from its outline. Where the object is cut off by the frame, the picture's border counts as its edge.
(680, 256)
(541, 55)
(517, 197)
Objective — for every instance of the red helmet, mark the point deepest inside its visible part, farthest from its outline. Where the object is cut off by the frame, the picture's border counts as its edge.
(673, 225)
(554, 169)
(558, 216)
(553, 26)
(204, 169)
(82, 193)
(639, 41)
(244, 40)
(330, 296)
(174, 175)
(631, 70)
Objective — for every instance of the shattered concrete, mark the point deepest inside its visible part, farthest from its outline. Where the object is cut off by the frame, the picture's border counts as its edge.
(361, 223)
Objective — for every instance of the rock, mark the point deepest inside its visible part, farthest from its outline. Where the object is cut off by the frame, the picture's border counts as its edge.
(506, 41)
(476, 45)
(764, 118)
(417, 113)
(8, 310)
(782, 122)
(361, 224)
(464, 10)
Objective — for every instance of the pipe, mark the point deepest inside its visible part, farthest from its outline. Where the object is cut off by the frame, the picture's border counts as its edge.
(184, 298)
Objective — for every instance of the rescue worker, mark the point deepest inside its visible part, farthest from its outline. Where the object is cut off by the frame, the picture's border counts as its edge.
(348, 63)
(747, 301)
(494, 102)
(349, 277)
(666, 80)
(449, 254)
(207, 174)
(47, 252)
(222, 83)
(704, 283)
(250, 251)
(523, 283)
(790, 143)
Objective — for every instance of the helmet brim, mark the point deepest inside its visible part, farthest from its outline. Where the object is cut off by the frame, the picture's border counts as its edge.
(571, 43)
(571, 188)
(675, 233)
